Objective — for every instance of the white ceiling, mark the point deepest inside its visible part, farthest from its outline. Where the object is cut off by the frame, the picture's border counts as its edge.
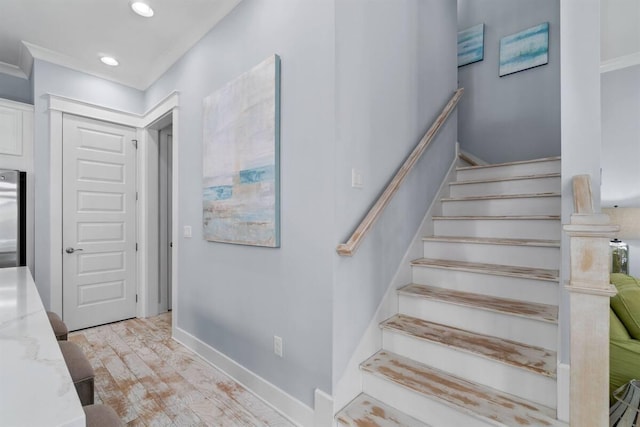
(75, 33)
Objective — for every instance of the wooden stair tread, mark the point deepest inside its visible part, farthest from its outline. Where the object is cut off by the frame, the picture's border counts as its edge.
(365, 411)
(541, 312)
(535, 359)
(494, 269)
(491, 405)
(510, 178)
(494, 241)
(500, 197)
(499, 217)
(520, 162)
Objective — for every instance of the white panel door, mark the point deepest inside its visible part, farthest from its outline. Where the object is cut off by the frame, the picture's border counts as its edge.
(99, 222)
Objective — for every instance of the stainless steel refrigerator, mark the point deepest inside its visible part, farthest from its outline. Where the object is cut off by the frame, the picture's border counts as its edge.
(13, 232)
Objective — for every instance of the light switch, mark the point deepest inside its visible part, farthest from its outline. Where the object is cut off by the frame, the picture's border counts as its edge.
(187, 231)
(356, 178)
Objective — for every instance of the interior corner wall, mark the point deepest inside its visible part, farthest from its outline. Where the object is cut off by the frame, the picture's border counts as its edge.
(53, 79)
(395, 71)
(514, 117)
(236, 298)
(15, 89)
(621, 137)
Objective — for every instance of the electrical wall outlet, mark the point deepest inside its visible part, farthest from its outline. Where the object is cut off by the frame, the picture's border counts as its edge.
(277, 345)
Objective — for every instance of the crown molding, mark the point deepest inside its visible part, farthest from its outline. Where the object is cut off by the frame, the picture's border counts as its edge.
(620, 62)
(12, 70)
(25, 60)
(48, 55)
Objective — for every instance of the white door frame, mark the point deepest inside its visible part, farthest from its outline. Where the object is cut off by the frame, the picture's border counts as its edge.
(59, 105)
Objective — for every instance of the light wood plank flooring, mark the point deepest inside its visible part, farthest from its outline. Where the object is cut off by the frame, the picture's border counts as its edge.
(151, 380)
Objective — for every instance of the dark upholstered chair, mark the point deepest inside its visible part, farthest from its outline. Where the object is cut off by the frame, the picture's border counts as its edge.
(101, 416)
(59, 328)
(80, 369)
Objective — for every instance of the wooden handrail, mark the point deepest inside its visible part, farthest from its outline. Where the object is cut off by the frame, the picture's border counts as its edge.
(349, 248)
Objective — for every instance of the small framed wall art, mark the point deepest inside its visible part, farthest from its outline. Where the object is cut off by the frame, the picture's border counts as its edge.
(527, 49)
(471, 45)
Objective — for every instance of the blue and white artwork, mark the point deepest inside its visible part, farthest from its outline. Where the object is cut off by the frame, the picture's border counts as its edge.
(524, 50)
(240, 162)
(471, 45)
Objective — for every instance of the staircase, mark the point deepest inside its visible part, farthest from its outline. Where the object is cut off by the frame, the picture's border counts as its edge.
(475, 338)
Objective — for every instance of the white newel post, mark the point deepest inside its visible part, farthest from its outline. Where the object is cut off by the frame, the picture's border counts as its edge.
(589, 292)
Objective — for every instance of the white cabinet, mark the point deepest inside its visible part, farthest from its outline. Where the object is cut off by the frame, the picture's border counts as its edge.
(16, 135)
(11, 138)
(16, 152)
(15, 127)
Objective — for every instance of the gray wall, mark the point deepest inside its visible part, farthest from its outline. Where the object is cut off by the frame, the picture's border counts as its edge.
(53, 79)
(621, 137)
(395, 70)
(621, 146)
(236, 298)
(15, 89)
(360, 85)
(515, 117)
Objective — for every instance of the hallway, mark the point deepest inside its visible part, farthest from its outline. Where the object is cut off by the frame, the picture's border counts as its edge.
(151, 380)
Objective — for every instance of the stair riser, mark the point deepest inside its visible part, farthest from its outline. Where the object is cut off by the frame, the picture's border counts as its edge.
(509, 379)
(498, 207)
(417, 405)
(523, 256)
(530, 290)
(506, 171)
(495, 188)
(499, 228)
(515, 328)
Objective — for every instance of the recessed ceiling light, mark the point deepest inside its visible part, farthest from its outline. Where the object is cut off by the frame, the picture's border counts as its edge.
(109, 61)
(142, 9)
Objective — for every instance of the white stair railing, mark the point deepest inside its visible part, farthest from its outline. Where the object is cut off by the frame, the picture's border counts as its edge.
(589, 292)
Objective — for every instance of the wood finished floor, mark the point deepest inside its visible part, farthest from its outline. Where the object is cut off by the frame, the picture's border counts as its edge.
(151, 380)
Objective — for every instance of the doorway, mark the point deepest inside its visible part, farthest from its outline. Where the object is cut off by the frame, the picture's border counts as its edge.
(146, 130)
(165, 220)
(159, 267)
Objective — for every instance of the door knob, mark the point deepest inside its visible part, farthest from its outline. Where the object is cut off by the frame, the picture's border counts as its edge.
(71, 250)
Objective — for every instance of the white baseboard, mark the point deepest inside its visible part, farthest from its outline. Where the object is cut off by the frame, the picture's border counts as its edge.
(291, 408)
(468, 157)
(323, 414)
(350, 383)
(564, 382)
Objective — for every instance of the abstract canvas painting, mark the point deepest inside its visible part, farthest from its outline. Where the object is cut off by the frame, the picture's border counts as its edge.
(471, 45)
(241, 170)
(524, 50)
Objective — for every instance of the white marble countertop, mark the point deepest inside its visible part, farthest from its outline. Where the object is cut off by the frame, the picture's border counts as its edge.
(35, 386)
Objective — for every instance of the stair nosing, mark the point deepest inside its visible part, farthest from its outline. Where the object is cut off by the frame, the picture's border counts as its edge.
(478, 305)
(508, 178)
(542, 413)
(519, 162)
(501, 197)
(491, 269)
(496, 217)
(494, 241)
(386, 409)
(543, 372)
